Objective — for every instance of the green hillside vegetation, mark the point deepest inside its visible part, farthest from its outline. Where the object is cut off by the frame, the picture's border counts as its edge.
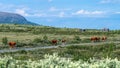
(38, 36)
(74, 52)
(32, 36)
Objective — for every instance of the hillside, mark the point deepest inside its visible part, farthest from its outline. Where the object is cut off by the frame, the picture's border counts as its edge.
(12, 18)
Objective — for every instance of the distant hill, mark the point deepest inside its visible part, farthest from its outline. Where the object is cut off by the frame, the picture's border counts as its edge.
(12, 18)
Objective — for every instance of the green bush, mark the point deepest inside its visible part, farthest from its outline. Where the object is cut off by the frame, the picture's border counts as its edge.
(29, 44)
(54, 61)
(38, 40)
(77, 38)
(81, 47)
(19, 44)
(45, 37)
(86, 40)
(45, 40)
(5, 40)
(74, 41)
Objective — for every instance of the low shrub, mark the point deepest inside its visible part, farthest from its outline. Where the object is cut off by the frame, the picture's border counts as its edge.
(38, 40)
(54, 61)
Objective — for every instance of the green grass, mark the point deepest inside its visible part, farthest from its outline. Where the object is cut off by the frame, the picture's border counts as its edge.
(74, 52)
(26, 34)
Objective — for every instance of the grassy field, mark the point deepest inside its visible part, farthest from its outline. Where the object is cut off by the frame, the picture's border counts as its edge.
(31, 36)
(27, 33)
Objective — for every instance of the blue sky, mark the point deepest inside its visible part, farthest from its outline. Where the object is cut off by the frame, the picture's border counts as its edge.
(93, 14)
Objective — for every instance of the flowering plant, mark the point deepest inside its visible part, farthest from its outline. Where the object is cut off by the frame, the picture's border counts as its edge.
(54, 61)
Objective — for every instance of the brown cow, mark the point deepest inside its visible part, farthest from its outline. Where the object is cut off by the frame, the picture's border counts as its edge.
(98, 39)
(63, 42)
(95, 39)
(12, 44)
(92, 39)
(54, 42)
(104, 38)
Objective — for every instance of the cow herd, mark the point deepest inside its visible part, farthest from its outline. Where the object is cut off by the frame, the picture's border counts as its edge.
(93, 39)
(97, 39)
(54, 41)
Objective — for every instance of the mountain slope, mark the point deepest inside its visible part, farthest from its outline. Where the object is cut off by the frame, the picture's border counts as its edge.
(12, 18)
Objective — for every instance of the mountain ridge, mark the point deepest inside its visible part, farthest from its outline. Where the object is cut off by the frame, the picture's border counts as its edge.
(13, 18)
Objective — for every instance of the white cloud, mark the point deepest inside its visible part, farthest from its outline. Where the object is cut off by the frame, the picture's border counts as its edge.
(109, 1)
(53, 9)
(51, 12)
(50, 0)
(85, 12)
(28, 12)
(21, 12)
(59, 9)
(81, 12)
(20, 9)
(105, 1)
(97, 12)
(39, 15)
(62, 14)
(58, 14)
(117, 12)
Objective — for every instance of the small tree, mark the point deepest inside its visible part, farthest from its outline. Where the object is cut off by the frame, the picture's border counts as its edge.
(45, 37)
(4, 40)
(77, 38)
(38, 40)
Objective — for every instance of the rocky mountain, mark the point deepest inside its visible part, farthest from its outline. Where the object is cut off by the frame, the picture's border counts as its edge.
(12, 18)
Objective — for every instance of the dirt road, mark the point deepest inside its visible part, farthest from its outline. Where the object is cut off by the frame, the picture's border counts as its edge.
(47, 47)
